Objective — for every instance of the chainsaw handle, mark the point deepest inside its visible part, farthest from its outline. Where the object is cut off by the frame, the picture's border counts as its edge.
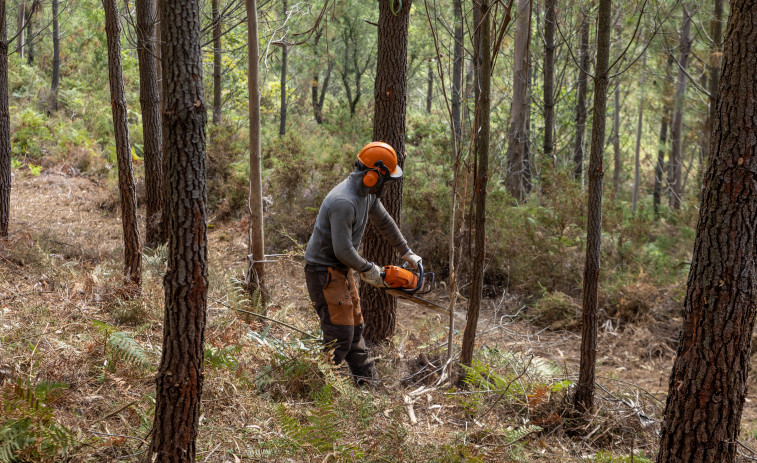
(420, 281)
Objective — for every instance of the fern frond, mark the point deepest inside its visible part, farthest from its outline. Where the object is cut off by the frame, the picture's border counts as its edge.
(515, 435)
(125, 347)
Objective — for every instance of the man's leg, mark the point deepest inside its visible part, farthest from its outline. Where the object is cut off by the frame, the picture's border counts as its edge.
(336, 334)
(358, 358)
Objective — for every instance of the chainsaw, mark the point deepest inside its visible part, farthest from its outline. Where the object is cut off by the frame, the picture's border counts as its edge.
(406, 284)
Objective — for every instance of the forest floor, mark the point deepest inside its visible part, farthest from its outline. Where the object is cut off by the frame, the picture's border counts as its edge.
(72, 341)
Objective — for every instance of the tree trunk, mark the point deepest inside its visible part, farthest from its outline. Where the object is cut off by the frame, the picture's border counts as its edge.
(284, 52)
(708, 383)
(636, 157)
(430, 87)
(457, 69)
(617, 164)
(515, 181)
(549, 79)
(179, 379)
(256, 241)
(149, 99)
(390, 95)
(316, 98)
(584, 398)
(127, 191)
(483, 109)
(713, 67)
(660, 166)
(30, 33)
(5, 127)
(56, 58)
(583, 84)
(217, 31)
(675, 179)
(20, 30)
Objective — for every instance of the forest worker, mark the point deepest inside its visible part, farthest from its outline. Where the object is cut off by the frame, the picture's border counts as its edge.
(332, 255)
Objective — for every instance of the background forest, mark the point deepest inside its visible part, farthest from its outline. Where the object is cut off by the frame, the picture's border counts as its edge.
(79, 353)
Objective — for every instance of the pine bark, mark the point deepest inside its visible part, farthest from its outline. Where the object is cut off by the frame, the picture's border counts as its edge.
(30, 32)
(584, 398)
(217, 31)
(283, 105)
(675, 178)
(549, 79)
(617, 163)
(127, 191)
(56, 58)
(662, 146)
(583, 85)
(713, 66)
(255, 280)
(390, 95)
(5, 128)
(149, 99)
(483, 109)
(515, 180)
(430, 87)
(457, 69)
(179, 380)
(708, 383)
(21, 30)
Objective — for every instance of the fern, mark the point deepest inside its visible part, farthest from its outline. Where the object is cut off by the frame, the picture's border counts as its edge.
(126, 348)
(515, 435)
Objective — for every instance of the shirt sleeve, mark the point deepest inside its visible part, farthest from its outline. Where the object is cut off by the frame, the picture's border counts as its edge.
(387, 227)
(341, 216)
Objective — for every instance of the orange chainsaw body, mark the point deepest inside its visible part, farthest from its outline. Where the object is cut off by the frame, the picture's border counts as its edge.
(398, 277)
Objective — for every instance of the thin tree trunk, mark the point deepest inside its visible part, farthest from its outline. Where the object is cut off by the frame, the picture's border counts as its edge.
(179, 380)
(316, 99)
(675, 179)
(708, 383)
(584, 398)
(284, 53)
(149, 99)
(390, 96)
(255, 280)
(662, 147)
(457, 69)
(217, 31)
(617, 163)
(30, 33)
(127, 191)
(515, 180)
(713, 67)
(21, 30)
(430, 87)
(549, 79)
(583, 84)
(637, 151)
(5, 127)
(56, 58)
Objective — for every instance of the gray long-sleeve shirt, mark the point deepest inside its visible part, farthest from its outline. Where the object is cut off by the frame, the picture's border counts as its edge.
(341, 222)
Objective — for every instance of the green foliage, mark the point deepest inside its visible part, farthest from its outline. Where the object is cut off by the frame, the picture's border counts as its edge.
(122, 346)
(609, 457)
(222, 357)
(28, 429)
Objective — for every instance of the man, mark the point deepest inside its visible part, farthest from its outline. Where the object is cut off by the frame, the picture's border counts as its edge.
(331, 254)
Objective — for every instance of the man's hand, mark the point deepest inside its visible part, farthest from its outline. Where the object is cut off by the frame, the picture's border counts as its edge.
(372, 276)
(412, 258)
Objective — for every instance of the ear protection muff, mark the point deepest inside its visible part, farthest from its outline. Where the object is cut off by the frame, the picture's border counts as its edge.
(371, 178)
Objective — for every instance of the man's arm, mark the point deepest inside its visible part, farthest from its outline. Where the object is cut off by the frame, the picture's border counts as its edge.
(387, 227)
(341, 216)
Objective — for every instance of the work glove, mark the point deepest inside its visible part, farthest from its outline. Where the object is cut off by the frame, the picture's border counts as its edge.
(372, 276)
(412, 258)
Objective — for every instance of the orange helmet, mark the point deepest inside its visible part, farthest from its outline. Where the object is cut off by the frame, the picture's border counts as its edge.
(381, 156)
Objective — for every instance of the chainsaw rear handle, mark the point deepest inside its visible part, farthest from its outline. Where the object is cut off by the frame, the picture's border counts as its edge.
(420, 285)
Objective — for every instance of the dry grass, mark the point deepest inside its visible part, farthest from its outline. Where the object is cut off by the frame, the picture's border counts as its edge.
(269, 395)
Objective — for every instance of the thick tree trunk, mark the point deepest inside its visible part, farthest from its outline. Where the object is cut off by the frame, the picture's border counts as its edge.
(283, 105)
(662, 146)
(390, 94)
(457, 69)
(127, 191)
(675, 179)
(255, 280)
(5, 127)
(549, 79)
(637, 151)
(21, 30)
(708, 384)
(217, 31)
(56, 59)
(584, 398)
(583, 84)
(515, 180)
(179, 379)
(483, 109)
(149, 99)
